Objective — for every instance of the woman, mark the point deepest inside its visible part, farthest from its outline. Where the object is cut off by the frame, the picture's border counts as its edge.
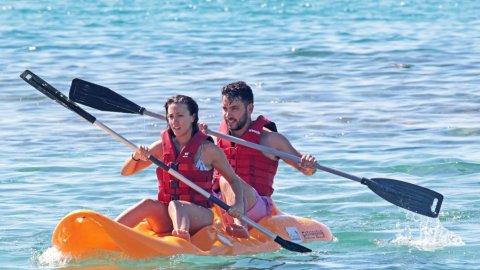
(178, 208)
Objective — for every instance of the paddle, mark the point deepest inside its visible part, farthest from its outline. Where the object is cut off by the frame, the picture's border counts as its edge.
(408, 196)
(56, 95)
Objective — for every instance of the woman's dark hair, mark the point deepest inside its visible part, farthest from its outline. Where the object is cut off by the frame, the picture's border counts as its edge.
(192, 107)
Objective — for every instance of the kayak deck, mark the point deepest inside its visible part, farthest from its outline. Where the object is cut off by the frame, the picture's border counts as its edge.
(84, 234)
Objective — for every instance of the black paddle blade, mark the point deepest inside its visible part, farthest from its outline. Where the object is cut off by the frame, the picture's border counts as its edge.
(48, 90)
(409, 196)
(101, 98)
(291, 245)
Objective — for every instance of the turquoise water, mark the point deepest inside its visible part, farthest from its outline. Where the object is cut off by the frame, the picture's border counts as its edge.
(372, 88)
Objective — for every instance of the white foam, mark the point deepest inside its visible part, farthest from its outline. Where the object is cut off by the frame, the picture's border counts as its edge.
(52, 258)
(425, 233)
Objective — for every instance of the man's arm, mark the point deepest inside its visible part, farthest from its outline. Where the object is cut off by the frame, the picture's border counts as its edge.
(279, 142)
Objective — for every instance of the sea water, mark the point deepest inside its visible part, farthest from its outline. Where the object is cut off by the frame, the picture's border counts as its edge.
(372, 88)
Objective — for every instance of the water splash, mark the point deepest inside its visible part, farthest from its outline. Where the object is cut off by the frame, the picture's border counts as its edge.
(51, 258)
(425, 234)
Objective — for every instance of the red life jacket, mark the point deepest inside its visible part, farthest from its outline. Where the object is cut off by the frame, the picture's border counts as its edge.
(251, 165)
(169, 187)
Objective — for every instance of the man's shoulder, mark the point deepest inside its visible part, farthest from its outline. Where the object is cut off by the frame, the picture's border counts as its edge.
(271, 138)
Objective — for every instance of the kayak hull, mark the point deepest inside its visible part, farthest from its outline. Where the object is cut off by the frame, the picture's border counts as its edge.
(84, 234)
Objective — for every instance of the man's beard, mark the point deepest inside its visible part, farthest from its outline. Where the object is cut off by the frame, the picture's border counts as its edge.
(240, 123)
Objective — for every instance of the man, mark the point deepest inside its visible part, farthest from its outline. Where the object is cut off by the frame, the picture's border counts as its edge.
(256, 168)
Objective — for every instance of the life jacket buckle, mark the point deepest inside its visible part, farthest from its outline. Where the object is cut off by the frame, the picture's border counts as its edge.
(174, 197)
(174, 165)
(174, 183)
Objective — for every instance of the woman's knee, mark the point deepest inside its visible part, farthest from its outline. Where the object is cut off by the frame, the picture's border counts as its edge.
(148, 203)
(151, 205)
(174, 206)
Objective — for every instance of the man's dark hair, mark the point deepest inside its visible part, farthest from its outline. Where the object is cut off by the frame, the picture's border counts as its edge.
(238, 90)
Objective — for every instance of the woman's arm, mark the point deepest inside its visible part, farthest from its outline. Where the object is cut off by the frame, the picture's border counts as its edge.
(218, 160)
(139, 159)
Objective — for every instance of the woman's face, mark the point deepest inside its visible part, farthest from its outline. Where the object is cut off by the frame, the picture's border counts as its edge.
(179, 119)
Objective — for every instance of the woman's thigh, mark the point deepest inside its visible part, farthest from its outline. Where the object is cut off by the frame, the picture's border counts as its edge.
(198, 216)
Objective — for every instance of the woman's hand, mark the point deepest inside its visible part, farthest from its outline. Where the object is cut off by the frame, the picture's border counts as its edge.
(142, 153)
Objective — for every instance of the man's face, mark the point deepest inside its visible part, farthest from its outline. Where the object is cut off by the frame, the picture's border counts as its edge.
(235, 113)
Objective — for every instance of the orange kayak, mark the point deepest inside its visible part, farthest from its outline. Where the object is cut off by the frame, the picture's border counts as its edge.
(85, 234)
